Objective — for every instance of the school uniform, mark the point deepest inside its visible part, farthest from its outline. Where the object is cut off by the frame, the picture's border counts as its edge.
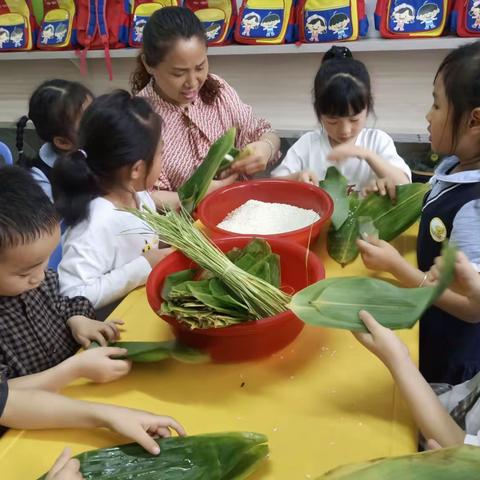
(42, 167)
(449, 347)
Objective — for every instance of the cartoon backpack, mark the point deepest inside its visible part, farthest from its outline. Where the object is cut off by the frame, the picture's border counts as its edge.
(331, 20)
(266, 22)
(218, 18)
(465, 19)
(101, 25)
(57, 27)
(17, 25)
(411, 18)
(141, 11)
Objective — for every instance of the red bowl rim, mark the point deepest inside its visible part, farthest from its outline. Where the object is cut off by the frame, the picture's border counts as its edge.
(201, 208)
(245, 328)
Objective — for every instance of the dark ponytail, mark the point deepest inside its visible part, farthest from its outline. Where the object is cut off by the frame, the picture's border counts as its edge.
(115, 132)
(342, 85)
(53, 108)
(165, 27)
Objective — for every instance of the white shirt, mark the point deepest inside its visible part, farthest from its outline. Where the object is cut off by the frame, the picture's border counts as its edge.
(311, 151)
(48, 155)
(102, 256)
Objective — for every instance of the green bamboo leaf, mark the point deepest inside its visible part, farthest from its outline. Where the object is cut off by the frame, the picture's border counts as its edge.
(217, 456)
(455, 463)
(336, 302)
(195, 188)
(176, 279)
(336, 185)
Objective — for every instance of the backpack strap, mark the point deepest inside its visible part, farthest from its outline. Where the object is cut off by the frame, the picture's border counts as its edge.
(103, 31)
(91, 29)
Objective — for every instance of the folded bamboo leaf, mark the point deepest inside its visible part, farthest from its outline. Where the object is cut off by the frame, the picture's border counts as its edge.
(175, 279)
(336, 302)
(218, 456)
(195, 188)
(227, 160)
(341, 244)
(336, 185)
(455, 463)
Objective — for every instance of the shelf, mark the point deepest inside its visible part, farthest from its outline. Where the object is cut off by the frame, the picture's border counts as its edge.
(364, 45)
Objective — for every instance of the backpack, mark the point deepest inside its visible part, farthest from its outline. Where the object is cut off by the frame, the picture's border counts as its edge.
(141, 12)
(218, 18)
(101, 25)
(465, 19)
(266, 22)
(17, 25)
(57, 27)
(331, 20)
(411, 18)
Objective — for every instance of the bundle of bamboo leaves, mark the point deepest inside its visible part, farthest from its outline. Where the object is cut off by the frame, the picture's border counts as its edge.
(218, 456)
(389, 219)
(456, 463)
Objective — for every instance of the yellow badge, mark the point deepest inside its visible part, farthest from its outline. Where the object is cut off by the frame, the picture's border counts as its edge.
(438, 230)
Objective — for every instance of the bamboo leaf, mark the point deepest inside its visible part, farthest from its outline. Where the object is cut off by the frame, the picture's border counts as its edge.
(195, 188)
(455, 463)
(336, 302)
(217, 456)
(176, 279)
(336, 185)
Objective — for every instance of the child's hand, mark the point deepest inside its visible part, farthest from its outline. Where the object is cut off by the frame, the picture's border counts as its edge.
(381, 341)
(96, 364)
(383, 186)
(140, 426)
(344, 151)
(65, 468)
(307, 176)
(155, 255)
(466, 281)
(379, 255)
(259, 153)
(86, 330)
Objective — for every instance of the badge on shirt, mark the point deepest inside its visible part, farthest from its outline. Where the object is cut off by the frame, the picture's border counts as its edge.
(438, 230)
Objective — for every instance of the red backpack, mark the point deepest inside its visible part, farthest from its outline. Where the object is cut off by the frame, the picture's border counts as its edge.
(102, 25)
(18, 27)
(218, 18)
(465, 20)
(412, 18)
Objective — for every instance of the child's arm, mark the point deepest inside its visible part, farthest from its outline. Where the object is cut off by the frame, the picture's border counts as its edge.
(430, 416)
(36, 409)
(380, 167)
(96, 365)
(381, 256)
(65, 468)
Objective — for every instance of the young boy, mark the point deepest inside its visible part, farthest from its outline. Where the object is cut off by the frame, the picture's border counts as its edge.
(452, 418)
(39, 329)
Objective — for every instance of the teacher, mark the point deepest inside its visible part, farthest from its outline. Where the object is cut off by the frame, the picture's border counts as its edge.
(197, 107)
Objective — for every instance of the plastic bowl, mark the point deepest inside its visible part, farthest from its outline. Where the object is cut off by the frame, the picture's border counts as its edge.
(249, 340)
(215, 206)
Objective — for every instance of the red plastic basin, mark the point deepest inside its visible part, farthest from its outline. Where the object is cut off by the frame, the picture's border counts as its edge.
(215, 206)
(249, 340)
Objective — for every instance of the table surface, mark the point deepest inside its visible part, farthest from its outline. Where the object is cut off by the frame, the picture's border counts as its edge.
(323, 401)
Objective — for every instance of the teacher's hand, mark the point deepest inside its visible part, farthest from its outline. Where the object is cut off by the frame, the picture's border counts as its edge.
(256, 160)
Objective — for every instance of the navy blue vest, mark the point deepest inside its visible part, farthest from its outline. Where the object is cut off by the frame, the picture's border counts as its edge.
(449, 347)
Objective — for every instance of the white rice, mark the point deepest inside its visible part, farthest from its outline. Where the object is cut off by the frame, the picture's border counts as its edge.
(262, 218)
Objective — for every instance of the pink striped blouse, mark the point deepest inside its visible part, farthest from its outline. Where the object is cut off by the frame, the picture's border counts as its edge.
(188, 132)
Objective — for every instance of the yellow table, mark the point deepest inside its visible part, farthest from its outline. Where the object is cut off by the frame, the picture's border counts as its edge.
(323, 401)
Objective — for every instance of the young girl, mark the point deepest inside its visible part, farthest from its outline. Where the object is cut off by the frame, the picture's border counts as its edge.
(197, 107)
(55, 109)
(343, 100)
(449, 347)
(452, 418)
(107, 252)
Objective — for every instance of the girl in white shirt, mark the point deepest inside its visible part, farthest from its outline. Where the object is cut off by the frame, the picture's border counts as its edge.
(108, 252)
(342, 102)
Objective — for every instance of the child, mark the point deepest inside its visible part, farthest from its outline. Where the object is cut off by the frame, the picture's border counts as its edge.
(197, 106)
(37, 409)
(343, 100)
(39, 329)
(445, 419)
(449, 346)
(55, 109)
(107, 252)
